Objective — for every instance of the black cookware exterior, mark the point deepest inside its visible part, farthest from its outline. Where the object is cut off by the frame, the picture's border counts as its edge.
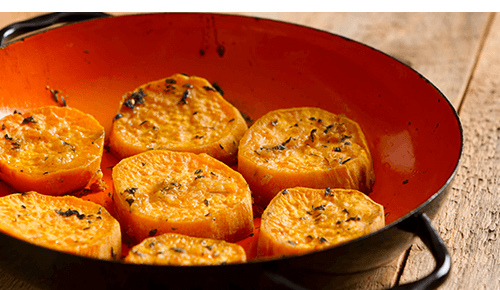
(48, 269)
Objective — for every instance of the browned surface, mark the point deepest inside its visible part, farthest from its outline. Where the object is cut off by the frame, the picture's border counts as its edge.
(306, 147)
(40, 151)
(302, 220)
(162, 191)
(63, 223)
(459, 53)
(179, 113)
(175, 249)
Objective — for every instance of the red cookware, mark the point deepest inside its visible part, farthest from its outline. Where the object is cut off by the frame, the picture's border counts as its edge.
(413, 131)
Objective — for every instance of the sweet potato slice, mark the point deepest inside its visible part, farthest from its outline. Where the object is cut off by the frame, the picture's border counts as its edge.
(62, 223)
(301, 220)
(179, 113)
(182, 250)
(163, 191)
(51, 150)
(307, 147)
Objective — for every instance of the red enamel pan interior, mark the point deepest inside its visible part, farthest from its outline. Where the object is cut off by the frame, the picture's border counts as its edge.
(413, 132)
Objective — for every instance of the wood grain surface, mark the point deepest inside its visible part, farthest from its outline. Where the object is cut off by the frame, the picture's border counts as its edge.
(459, 53)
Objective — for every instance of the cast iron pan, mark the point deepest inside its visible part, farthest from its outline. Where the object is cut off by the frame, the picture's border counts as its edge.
(414, 133)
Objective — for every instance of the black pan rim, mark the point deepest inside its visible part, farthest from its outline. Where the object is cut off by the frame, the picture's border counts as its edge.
(393, 224)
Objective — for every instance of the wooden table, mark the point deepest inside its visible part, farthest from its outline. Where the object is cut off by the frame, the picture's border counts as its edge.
(460, 54)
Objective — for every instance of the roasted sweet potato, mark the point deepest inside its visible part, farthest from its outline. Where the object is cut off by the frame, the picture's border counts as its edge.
(179, 113)
(306, 147)
(51, 150)
(182, 250)
(161, 191)
(301, 220)
(62, 223)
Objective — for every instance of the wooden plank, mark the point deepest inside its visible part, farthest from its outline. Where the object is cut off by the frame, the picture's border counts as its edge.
(7, 18)
(441, 46)
(469, 221)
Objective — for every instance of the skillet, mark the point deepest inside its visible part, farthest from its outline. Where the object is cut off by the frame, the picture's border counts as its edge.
(413, 131)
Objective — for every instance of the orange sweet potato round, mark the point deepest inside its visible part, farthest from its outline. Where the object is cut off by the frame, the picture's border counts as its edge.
(161, 191)
(179, 113)
(51, 150)
(176, 249)
(306, 147)
(301, 220)
(62, 223)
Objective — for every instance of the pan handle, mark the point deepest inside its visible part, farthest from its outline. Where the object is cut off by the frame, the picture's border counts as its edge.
(431, 239)
(435, 244)
(19, 28)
